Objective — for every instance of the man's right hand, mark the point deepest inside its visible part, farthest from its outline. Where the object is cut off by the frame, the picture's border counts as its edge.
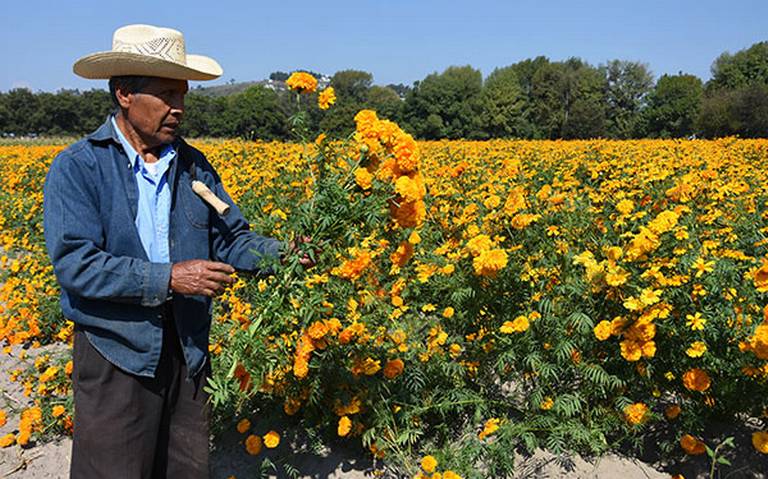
(200, 277)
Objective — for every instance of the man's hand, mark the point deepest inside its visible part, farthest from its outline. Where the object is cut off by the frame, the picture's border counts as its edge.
(293, 249)
(200, 277)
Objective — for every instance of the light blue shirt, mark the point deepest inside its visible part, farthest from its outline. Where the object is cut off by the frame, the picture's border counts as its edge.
(154, 210)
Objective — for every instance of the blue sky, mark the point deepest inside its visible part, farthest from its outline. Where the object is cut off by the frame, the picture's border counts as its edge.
(398, 41)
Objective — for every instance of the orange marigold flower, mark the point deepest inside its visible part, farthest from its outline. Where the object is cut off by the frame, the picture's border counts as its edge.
(691, 445)
(636, 414)
(317, 330)
(393, 368)
(7, 440)
(243, 425)
(3, 417)
(253, 444)
(58, 410)
(696, 380)
(672, 411)
(302, 82)
(760, 441)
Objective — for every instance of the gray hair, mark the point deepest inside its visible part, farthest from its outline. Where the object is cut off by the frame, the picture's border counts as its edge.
(126, 84)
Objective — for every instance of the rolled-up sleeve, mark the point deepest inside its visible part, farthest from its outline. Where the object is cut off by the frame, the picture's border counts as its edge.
(74, 237)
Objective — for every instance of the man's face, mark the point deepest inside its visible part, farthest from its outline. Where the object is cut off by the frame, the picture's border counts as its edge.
(156, 112)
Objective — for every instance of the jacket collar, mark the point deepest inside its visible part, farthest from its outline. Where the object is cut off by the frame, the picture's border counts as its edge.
(105, 132)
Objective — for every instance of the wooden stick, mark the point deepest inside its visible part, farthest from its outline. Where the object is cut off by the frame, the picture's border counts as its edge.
(207, 195)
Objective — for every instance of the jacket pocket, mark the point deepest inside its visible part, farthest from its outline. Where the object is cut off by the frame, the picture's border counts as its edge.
(195, 209)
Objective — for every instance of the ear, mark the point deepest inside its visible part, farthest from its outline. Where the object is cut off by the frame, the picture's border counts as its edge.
(123, 98)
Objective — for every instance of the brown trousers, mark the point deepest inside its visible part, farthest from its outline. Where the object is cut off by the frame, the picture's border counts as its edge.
(131, 427)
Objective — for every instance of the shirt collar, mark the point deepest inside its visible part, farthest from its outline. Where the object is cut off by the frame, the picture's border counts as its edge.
(167, 152)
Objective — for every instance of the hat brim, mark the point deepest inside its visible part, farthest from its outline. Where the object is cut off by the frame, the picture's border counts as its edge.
(104, 65)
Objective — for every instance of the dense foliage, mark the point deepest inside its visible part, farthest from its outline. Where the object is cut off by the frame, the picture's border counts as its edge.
(469, 298)
(532, 99)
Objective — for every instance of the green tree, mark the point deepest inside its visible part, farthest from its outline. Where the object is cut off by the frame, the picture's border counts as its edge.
(386, 102)
(502, 103)
(351, 87)
(446, 105)
(746, 67)
(23, 107)
(742, 112)
(254, 113)
(569, 100)
(627, 85)
(672, 107)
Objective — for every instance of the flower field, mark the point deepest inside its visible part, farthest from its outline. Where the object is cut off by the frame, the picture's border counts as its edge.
(469, 298)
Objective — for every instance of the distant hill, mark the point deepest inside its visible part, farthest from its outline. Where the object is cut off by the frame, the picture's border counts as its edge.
(234, 88)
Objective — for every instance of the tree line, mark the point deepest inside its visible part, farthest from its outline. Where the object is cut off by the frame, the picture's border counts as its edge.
(534, 99)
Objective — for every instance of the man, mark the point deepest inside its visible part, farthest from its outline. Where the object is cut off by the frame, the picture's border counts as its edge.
(139, 255)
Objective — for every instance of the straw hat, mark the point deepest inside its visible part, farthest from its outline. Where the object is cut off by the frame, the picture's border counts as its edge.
(145, 50)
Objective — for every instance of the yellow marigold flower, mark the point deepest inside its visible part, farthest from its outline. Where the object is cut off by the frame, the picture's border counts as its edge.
(695, 321)
(448, 312)
(490, 427)
(635, 414)
(691, 445)
(547, 404)
(7, 440)
(253, 444)
(697, 349)
(758, 343)
(490, 262)
(363, 178)
(672, 411)
(625, 207)
(408, 188)
(760, 441)
(696, 380)
(603, 330)
(664, 221)
(243, 425)
(326, 98)
(479, 244)
(451, 475)
(271, 439)
(302, 82)
(428, 463)
(345, 425)
(49, 374)
(760, 277)
(519, 325)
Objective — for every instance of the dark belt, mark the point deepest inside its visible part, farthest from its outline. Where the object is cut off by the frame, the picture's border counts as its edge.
(167, 313)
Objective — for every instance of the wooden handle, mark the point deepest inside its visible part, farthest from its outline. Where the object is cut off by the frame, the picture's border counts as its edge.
(207, 195)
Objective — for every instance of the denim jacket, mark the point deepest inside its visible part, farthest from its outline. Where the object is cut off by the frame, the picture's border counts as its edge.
(109, 288)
